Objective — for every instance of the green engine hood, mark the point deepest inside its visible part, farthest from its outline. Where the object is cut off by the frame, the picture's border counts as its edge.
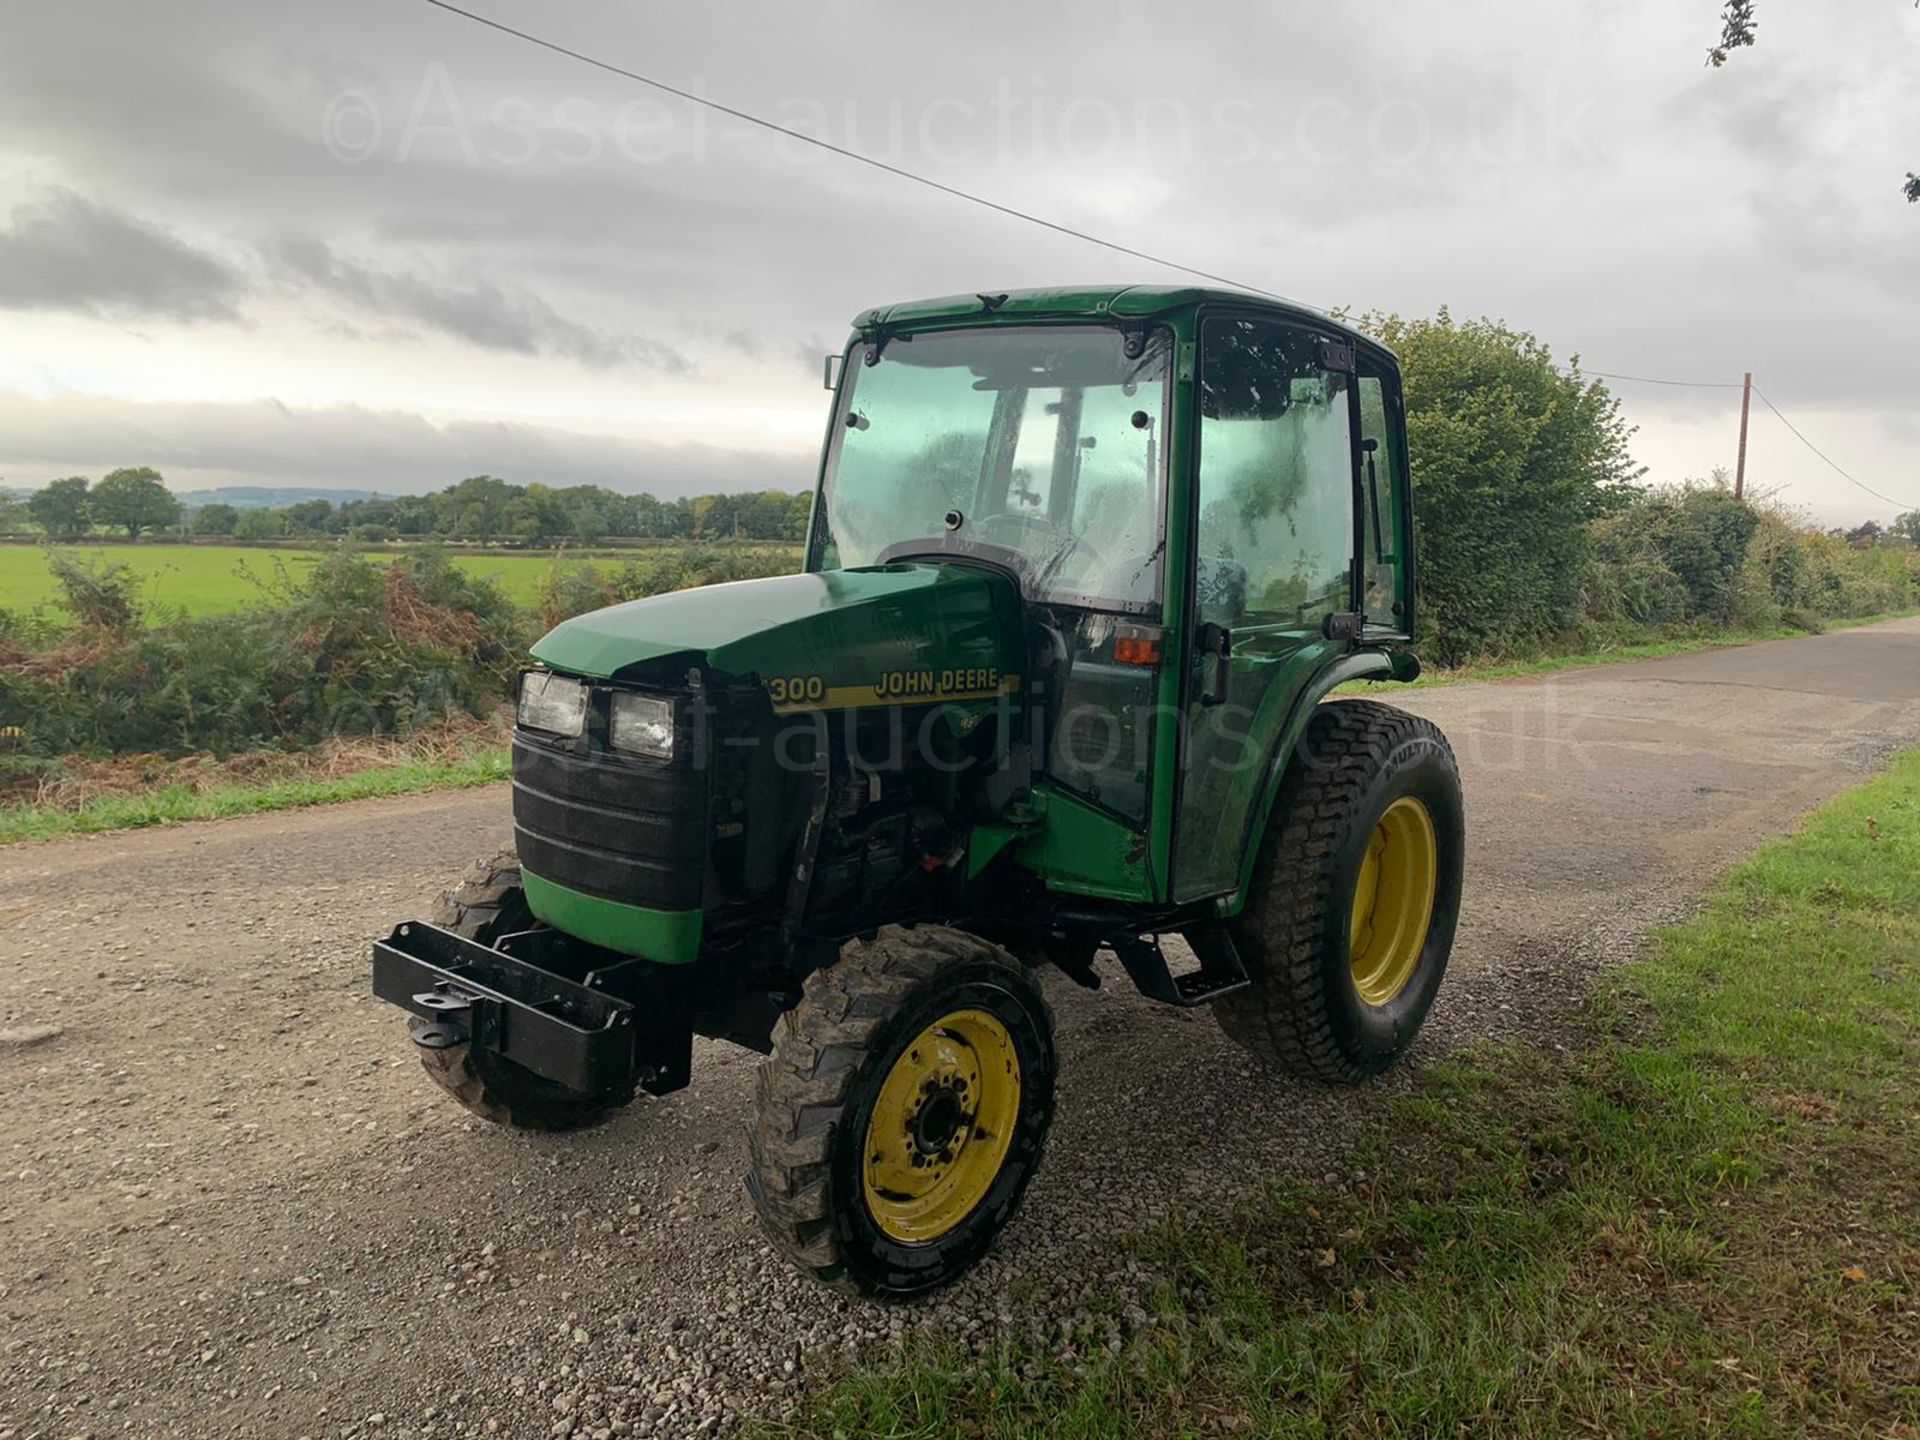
(840, 638)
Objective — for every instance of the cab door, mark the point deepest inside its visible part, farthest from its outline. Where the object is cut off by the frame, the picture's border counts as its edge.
(1273, 563)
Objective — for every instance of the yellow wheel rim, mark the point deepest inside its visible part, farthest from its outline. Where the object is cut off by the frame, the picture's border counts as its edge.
(941, 1127)
(1393, 901)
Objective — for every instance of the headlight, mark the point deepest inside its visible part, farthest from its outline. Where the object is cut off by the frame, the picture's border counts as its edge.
(552, 702)
(642, 725)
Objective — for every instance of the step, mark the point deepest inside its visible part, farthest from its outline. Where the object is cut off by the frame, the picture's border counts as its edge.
(1220, 973)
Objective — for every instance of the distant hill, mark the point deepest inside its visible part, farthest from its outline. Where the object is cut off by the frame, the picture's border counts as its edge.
(262, 497)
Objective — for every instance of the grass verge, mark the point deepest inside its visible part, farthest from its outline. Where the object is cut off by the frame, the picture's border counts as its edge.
(176, 803)
(1702, 1223)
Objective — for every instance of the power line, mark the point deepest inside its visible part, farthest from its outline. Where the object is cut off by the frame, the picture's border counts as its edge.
(1897, 504)
(855, 155)
(901, 172)
(1735, 385)
(1685, 384)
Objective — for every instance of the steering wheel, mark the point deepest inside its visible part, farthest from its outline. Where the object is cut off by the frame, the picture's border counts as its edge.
(1027, 526)
(991, 527)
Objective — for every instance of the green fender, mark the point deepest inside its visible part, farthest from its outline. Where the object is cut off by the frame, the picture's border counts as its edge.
(1368, 664)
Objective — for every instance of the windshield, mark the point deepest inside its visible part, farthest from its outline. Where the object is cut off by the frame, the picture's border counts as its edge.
(1039, 446)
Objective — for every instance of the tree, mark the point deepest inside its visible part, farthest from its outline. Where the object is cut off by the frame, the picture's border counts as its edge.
(675, 520)
(13, 515)
(413, 515)
(136, 498)
(799, 512)
(712, 517)
(647, 519)
(1907, 528)
(1739, 30)
(473, 508)
(215, 519)
(63, 508)
(260, 525)
(1512, 458)
(520, 519)
(585, 522)
(764, 514)
(310, 517)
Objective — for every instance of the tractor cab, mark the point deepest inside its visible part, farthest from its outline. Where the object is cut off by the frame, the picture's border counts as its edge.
(1204, 496)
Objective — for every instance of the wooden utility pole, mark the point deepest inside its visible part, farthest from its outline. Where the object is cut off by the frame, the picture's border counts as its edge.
(1746, 409)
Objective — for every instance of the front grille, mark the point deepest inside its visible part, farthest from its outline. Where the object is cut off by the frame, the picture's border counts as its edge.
(611, 825)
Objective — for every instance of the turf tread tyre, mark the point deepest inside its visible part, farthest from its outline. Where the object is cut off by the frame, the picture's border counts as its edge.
(806, 1094)
(486, 904)
(1291, 932)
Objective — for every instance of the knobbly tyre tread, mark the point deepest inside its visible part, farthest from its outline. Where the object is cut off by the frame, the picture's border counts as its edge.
(486, 904)
(1285, 1015)
(474, 907)
(806, 1086)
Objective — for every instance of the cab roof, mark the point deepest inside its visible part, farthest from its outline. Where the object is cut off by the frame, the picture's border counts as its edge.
(1092, 302)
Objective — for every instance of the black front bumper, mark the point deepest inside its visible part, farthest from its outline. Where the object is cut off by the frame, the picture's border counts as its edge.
(587, 1034)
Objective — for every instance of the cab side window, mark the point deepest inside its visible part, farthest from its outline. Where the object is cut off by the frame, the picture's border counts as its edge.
(1383, 546)
(1276, 478)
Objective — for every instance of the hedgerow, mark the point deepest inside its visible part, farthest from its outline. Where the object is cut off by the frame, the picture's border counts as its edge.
(574, 589)
(1693, 555)
(353, 648)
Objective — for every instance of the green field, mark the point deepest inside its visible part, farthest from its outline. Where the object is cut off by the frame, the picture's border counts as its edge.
(216, 579)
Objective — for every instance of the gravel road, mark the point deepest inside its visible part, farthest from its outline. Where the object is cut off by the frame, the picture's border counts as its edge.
(230, 1204)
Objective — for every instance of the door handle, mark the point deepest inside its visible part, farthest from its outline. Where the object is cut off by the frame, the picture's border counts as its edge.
(1216, 663)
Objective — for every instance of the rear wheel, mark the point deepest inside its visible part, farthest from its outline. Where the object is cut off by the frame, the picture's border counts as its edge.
(1350, 917)
(903, 1111)
(488, 903)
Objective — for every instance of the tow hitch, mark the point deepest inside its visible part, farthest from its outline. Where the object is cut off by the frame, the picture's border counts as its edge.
(521, 1000)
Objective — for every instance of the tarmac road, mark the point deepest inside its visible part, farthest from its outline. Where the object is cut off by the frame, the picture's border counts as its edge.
(230, 1204)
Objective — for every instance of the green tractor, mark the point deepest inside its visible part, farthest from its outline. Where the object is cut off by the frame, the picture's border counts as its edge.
(1084, 568)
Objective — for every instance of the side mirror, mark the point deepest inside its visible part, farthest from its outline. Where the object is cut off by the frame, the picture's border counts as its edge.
(830, 373)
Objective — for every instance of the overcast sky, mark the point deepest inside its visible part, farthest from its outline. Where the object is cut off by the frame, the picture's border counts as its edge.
(372, 244)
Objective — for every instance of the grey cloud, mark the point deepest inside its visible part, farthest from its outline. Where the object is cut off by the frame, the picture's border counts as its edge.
(1654, 217)
(393, 451)
(483, 314)
(67, 252)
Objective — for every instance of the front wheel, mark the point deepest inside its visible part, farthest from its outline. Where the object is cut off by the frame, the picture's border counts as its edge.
(1355, 894)
(903, 1111)
(490, 902)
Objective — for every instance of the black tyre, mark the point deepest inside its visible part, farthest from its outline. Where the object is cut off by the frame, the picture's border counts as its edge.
(488, 903)
(1355, 896)
(903, 1111)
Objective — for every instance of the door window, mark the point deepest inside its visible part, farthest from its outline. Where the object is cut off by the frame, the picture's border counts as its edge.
(1276, 465)
(1382, 484)
(1273, 558)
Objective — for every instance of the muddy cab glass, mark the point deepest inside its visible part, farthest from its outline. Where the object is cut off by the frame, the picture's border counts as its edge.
(1042, 448)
